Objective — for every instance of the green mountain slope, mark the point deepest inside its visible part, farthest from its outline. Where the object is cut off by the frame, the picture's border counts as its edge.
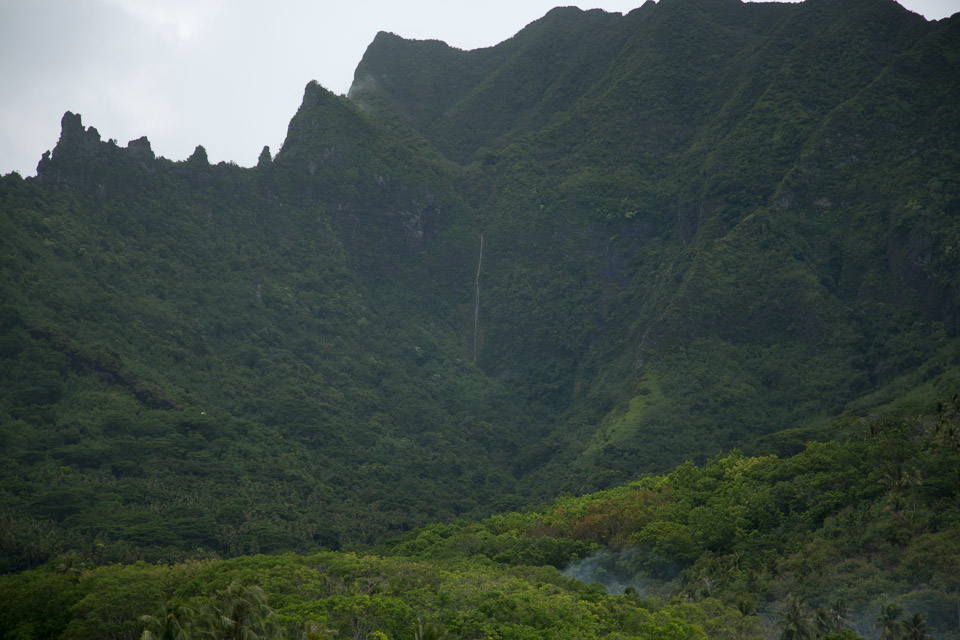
(464, 100)
(598, 249)
(713, 299)
(176, 330)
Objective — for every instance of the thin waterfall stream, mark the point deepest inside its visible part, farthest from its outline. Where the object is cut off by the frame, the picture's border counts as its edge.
(476, 306)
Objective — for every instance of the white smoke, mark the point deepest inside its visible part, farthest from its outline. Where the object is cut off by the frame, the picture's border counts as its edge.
(615, 570)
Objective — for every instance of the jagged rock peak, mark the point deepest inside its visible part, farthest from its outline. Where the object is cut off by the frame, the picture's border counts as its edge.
(265, 159)
(79, 144)
(80, 154)
(323, 121)
(75, 141)
(199, 156)
(314, 94)
(140, 150)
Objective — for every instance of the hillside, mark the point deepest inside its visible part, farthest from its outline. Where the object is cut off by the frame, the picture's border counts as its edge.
(849, 539)
(606, 247)
(733, 195)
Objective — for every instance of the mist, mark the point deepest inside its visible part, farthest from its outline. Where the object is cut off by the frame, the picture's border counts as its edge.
(616, 570)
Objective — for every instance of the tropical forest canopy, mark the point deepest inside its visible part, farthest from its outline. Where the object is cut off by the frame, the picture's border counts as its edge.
(669, 299)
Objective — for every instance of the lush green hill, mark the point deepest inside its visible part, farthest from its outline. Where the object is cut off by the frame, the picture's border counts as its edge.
(829, 543)
(732, 204)
(604, 247)
(868, 518)
(174, 331)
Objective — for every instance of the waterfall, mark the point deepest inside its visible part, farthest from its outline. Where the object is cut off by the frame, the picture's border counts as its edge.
(476, 306)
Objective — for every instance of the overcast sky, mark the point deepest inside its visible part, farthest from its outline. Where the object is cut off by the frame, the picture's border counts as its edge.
(227, 74)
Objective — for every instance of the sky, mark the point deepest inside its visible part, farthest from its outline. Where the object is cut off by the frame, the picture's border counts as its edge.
(225, 74)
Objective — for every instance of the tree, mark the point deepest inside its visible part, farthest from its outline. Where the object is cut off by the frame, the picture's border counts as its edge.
(244, 615)
(70, 564)
(915, 627)
(889, 622)
(946, 430)
(793, 622)
(428, 631)
(823, 622)
(838, 615)
(175, 623)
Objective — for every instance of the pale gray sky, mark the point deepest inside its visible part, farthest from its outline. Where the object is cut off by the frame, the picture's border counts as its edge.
(227, 74)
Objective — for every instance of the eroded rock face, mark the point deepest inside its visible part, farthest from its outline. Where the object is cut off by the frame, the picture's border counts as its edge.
(76, 151)
(265, 159)
(75, 141)
(73, 162)
(140, 150)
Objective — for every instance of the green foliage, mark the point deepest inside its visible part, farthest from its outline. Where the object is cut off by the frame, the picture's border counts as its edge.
(889, 623)
(707, 226)
(242, 613)
(135, 402)
(842, 525)
(915, 627)
(175, 623)
(357, 596)
(793, 623)
(819, 527)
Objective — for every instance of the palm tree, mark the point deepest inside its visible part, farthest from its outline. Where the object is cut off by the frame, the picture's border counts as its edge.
(428, 631)
(746, 607)
(793, 622)
(823, 622)
(838, 615)
(175, 623)
(889, 622)
(72, 565)
(915, 627)
(243, 615)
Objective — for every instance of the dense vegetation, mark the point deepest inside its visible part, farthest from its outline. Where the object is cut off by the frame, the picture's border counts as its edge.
(600, 256)
(828, 542)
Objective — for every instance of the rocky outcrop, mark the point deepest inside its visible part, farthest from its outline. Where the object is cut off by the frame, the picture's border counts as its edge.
(73, 165)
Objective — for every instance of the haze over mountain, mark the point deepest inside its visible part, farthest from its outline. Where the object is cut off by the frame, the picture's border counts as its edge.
(605, 247)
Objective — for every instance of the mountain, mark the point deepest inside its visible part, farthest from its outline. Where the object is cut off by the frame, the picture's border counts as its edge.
(727, 187)
(606, 246)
